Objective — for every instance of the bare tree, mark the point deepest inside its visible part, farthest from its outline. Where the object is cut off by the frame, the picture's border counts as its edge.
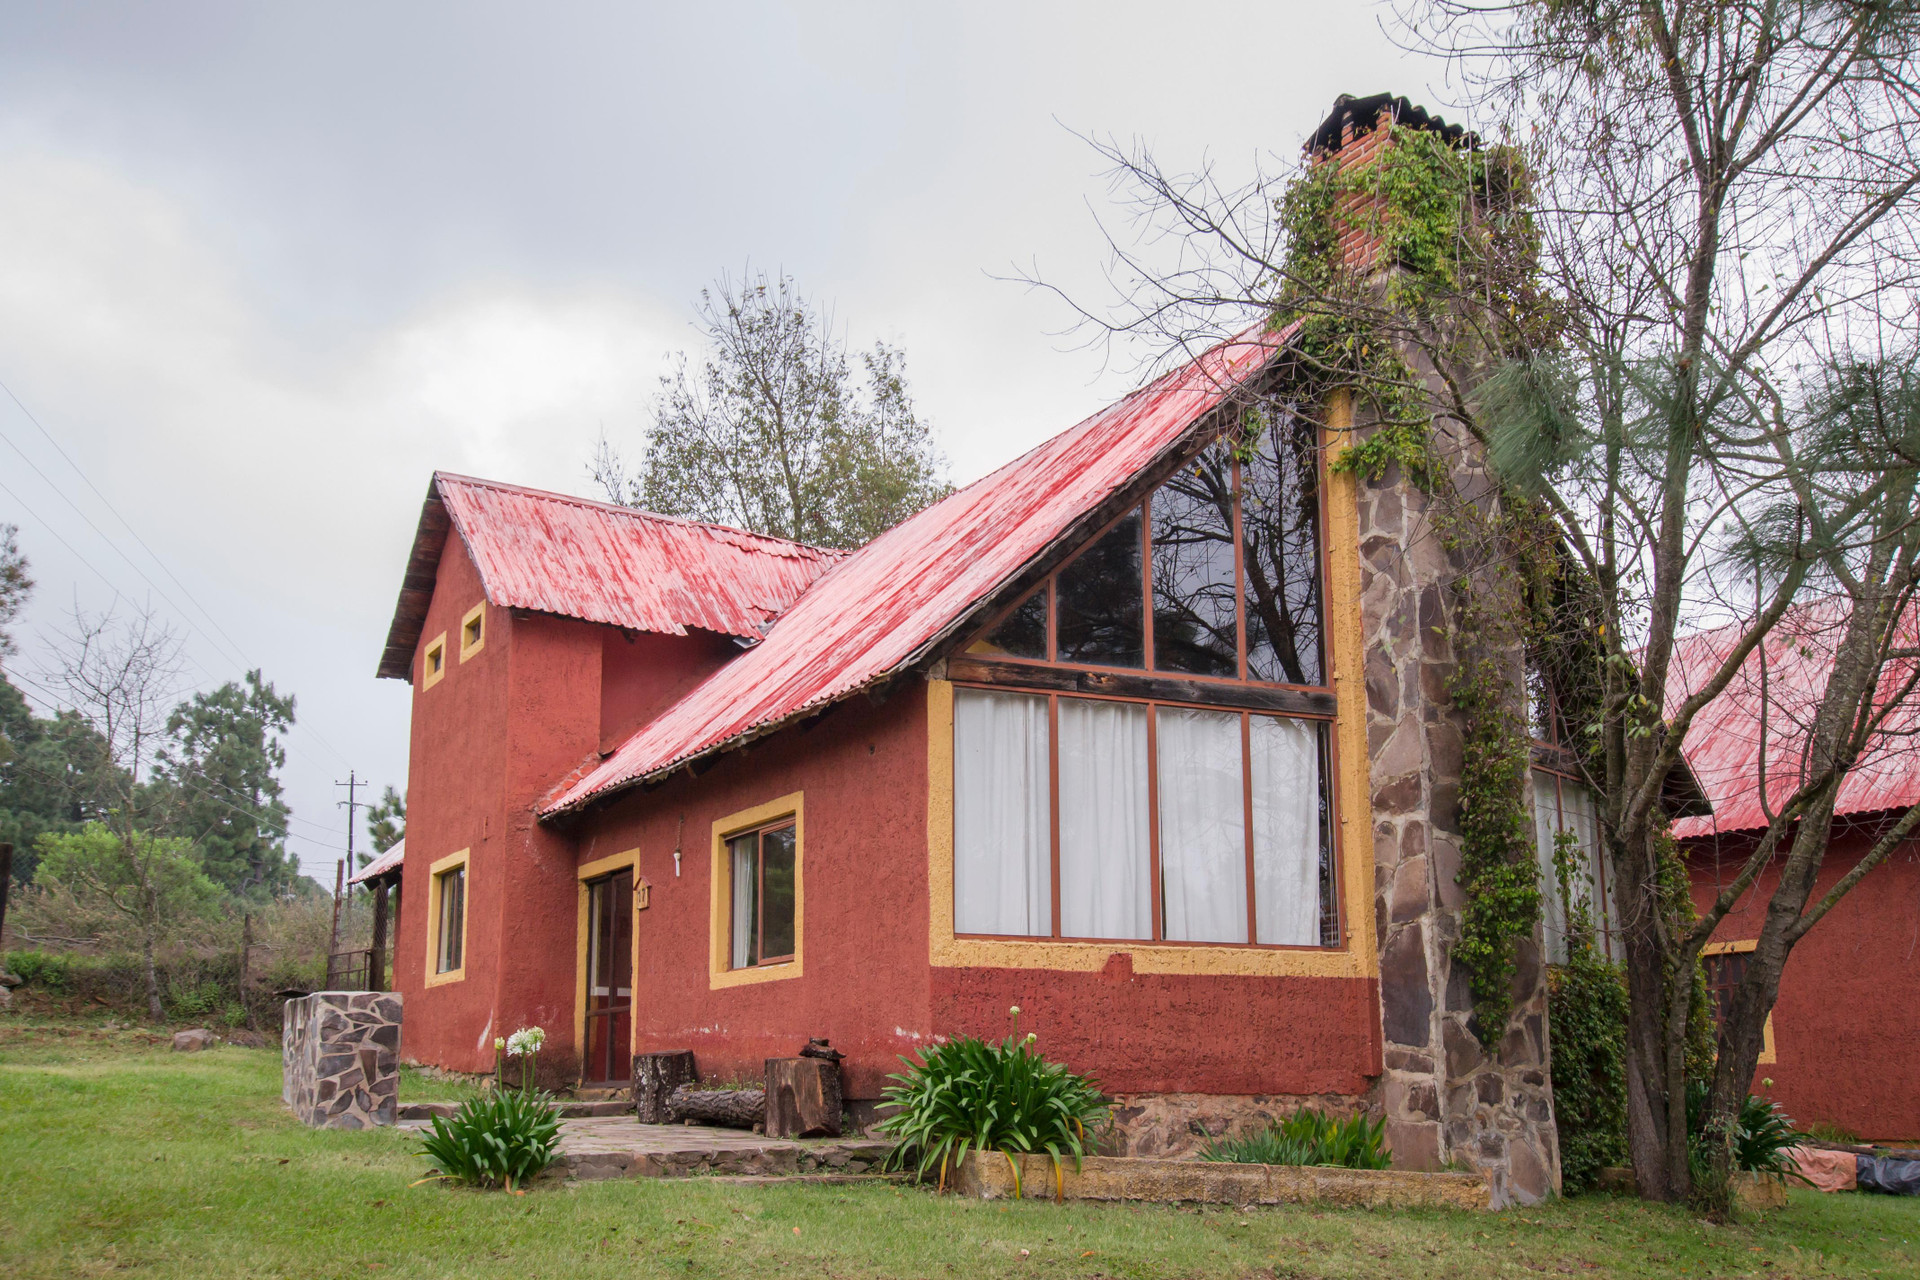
(1688, 335)
(772, 431)
(123, 675)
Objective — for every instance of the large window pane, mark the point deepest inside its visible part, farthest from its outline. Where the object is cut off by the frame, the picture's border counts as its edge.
(1022, 633)
(1203, 831)
(1002, 838)
(1561, 804)
(1193, 583)
(1287, 836)
(1100, 598)
(1105, 861)
(1280, 521)
(453, 918)
(744, 851)
(776, 887)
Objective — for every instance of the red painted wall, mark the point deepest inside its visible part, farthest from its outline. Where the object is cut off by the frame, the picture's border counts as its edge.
(868, 984)
(642, 674)
(1846, 1027)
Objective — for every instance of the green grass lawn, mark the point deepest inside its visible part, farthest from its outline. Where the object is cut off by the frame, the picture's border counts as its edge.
(117, 1156)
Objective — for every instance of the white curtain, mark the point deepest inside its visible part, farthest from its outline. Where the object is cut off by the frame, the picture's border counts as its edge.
(1105, 862)
(1546, 824)
(1002, 843)
(745, 881)
(1286, 830)
(1203, 829)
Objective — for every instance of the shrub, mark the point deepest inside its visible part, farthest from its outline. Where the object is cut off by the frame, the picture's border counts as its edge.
(501, 1139)
(1587, 1015)
(968, 1094)
(1762, 1133)
(1308, 1137)
(45, 969)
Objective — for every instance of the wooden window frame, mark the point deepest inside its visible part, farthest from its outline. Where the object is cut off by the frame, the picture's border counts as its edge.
(436, 886)
(1329, 830)
(775, 813)
(432, 672)
(1549, 759)
(475, 620)
(1740, 947)
(964, 658)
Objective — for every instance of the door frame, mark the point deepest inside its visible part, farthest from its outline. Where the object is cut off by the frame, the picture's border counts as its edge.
(585, 873)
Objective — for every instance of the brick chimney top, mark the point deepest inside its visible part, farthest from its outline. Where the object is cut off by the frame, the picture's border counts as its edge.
(1352, 117)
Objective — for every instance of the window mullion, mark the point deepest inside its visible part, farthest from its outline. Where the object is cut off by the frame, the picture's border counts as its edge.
(1053, 805)
(1239, 577)
(1246, 822)
(1156, 888)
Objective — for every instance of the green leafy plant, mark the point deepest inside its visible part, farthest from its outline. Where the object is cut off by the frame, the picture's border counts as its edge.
(1308, 1137)
(1762, 1135)
(968, 1094)
(500, 1140)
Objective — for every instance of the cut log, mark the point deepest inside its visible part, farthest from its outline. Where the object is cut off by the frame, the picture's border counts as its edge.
(803, 1098)
(730, 1108)
(656, 1075)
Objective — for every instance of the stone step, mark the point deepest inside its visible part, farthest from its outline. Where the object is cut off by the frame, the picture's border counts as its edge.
(569, 1109)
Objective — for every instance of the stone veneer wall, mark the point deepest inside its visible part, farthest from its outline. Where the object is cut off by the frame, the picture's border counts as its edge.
(1178, 1125)
(340, 1058)
(1445, 1097)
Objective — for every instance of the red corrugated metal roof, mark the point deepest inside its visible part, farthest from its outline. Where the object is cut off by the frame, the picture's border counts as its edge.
(1723, 747)
(591, 560)
(388, 861)
(879, 610)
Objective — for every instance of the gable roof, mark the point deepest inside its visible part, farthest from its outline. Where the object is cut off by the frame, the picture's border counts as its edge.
(882, 608)
(1724, 745)
(553, 553)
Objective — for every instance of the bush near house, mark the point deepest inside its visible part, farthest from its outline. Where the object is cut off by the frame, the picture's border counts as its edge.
(1587, 1013)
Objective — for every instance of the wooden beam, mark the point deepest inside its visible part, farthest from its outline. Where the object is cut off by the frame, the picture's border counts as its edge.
(1127, 684)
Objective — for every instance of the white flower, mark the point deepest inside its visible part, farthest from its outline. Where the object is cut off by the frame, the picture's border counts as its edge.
(1014, 1012)
(499, 1043)
(525, 1042)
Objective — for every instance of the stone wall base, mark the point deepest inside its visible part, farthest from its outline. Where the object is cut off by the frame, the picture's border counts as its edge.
(1176, 1125)
(989, 1175)
(340, 1058)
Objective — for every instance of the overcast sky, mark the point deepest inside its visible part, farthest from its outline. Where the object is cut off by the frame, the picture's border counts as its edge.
(267, 266)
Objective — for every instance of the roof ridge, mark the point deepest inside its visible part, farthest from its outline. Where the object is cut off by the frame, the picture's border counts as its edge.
(635, 513)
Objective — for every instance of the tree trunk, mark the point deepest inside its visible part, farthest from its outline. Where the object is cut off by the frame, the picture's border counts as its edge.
(655, 1077)
(729, 1108)
(246, 957)
(156, 1012)
(803, 1098)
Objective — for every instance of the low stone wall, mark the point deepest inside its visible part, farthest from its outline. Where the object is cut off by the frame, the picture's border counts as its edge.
(340, 1058)
(1173, 1125)
(990, 1176)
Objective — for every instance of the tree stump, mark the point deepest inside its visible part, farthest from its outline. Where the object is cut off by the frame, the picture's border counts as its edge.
(656, 1075)
(729, 1108)
(803, 1098)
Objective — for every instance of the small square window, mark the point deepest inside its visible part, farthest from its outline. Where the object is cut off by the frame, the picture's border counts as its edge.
(473, 631)
(433, 663)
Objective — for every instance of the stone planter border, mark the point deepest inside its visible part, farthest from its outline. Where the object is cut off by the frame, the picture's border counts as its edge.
(987, 1175)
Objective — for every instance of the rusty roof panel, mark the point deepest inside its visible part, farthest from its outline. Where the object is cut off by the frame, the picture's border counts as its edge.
(878, 611)
(1785, 678)
(553, 553)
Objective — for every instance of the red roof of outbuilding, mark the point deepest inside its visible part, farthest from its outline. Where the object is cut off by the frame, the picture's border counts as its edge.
(883, 607)
(553, 553)
(1723, 747)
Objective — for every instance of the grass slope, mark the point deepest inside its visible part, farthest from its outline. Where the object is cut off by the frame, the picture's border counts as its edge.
(119, 1157)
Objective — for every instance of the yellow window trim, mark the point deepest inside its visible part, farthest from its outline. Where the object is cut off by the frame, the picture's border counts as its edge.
(429, 675)
(1767, 1058)
(1359, 958)
(720, 926)
(477, 614)
(434, 872)
(582, 874)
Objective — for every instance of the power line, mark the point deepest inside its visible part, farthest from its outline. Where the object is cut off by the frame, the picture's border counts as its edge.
(233, 654)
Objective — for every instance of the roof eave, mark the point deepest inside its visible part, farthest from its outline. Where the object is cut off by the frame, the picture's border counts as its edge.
(416, 586)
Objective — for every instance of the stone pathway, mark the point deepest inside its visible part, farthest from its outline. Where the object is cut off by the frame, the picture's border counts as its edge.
(622, 1147)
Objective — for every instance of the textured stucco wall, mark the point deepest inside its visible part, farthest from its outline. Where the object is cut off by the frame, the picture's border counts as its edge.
(1846, 1027)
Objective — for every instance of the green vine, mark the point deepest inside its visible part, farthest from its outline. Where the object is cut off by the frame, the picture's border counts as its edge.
(1453, 224)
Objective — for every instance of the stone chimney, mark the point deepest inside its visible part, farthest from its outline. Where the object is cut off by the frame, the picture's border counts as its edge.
(1445, 1094)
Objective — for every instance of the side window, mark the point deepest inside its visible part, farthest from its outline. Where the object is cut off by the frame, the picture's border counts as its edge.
(763, 896)
(473, 631)
(433, 663)
(447, 919)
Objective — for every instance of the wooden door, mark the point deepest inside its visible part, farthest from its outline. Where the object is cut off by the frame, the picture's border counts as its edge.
(609, 980)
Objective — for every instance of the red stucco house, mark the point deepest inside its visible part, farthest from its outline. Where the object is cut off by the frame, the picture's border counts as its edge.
(1844, 1038)
(1143, 733)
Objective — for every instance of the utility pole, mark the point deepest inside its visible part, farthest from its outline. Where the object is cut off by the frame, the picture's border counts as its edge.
(352, 805)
